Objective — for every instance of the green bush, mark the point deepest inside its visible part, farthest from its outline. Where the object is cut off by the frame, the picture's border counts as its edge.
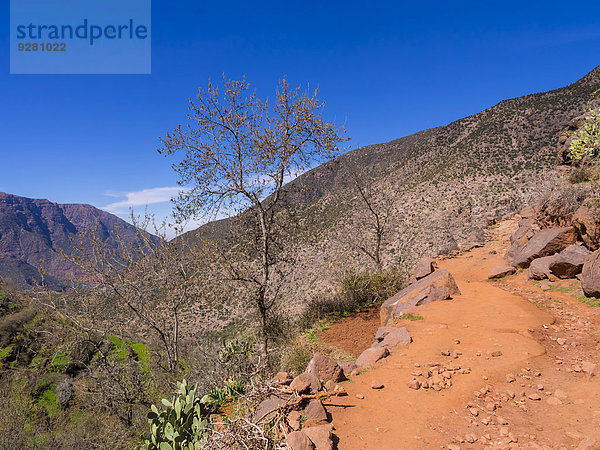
(356, 290)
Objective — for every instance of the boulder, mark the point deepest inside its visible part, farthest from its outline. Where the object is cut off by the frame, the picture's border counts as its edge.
(544, 243)
(501, 271)
(539, 269)
(439, 285)
(590, 276)
(371, 355)
(320, 436)
(306, 383)
(316, 411)
(325, 368)
(297, 440)
(586, 221)
(266, 407)
(569, 262)
(424, 267)
(391, 336)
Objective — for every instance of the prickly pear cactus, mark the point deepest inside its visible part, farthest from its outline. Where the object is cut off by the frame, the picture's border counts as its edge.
(180, 425)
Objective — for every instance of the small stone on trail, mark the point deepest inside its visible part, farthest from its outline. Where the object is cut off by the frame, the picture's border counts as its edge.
(414, 384)
(501, 420)
(474, 411)
(496, 353)
(510, 378)
(360, 396)
(533, 396)
(445, 352)
(376, 384)
(553, 401)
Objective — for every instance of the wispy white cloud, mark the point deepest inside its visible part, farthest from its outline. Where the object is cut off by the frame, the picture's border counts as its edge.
(141, 198)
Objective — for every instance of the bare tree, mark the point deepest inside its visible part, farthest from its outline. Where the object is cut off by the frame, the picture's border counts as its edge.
(378, 212)
(144, 285)
(239, 152)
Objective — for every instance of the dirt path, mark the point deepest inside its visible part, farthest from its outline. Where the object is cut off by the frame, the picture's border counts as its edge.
(517, 360)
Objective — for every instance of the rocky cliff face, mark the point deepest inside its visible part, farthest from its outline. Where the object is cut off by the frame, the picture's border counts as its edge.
(32, 232)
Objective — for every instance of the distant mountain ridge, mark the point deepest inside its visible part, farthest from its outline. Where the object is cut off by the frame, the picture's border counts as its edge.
(33, 231)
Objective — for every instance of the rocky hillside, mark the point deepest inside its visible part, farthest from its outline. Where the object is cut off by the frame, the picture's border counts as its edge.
(34, 231)
(442, 185)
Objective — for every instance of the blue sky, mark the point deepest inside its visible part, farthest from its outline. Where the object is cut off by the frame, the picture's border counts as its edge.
(386, 69)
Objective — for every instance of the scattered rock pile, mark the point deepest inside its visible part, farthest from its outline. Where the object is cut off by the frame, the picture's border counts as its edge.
(435, 376)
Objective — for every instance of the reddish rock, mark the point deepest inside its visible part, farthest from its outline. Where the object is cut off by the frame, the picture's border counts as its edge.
(590, 276)
(325, 368)
(424, 267)
(371, 355)
(347, 366)
(569, 262)
(391, 336)
(283, 378)
(297, 440)
(306, 382)
(543, 243)
(587, 223)
(320, 436)
(539, 269)
(439, 285)
(266, 407)
(293, 419)
(501, 271)
(316, 411)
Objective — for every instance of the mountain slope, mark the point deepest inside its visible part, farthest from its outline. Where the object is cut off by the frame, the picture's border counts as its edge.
(33, 231)
(443, 185)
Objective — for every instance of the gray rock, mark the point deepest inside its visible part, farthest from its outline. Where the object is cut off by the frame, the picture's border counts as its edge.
(590, 276)
(569, 263)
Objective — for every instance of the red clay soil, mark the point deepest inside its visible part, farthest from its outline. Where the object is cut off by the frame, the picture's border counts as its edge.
(524, 348)
(354, 333)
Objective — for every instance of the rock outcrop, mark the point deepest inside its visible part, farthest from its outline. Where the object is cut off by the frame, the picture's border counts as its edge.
(590, 276)
(543, 243)
(586, 221)
(439, 285)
